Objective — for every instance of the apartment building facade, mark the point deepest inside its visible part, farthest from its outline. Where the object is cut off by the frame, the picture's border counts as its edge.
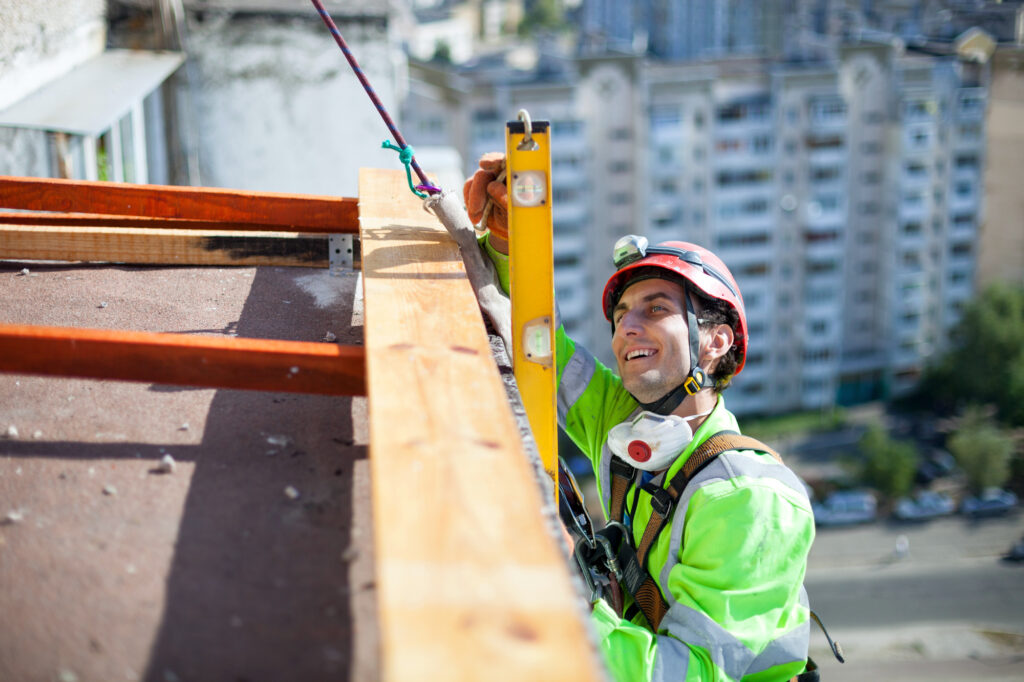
(845, 195)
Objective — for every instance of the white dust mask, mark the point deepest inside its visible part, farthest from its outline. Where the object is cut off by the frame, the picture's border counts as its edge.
(651, 441)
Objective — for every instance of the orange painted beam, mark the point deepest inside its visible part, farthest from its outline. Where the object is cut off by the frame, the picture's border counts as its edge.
(88, 220)
(298, 212)
(184, 360)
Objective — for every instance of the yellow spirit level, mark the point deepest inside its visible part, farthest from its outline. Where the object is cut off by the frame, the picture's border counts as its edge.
(532, 281)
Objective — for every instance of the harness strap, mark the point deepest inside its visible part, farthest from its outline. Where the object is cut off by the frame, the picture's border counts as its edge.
(637, 581)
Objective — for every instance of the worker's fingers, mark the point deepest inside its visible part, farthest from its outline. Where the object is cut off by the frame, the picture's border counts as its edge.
(492, 162)
(498, 193)
(475, 194)
(497, 221)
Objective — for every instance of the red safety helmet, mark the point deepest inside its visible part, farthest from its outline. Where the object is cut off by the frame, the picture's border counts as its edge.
(697, 266)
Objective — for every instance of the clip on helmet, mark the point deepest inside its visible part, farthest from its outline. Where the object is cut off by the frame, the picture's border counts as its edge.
(700, 270)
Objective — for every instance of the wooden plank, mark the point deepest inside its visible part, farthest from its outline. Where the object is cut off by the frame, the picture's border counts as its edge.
(164, 247)
(183, 359)
(294, 211)
(471, 584)
(141, 222)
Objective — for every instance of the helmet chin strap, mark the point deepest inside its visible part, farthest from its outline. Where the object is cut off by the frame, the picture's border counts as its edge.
(696, 380)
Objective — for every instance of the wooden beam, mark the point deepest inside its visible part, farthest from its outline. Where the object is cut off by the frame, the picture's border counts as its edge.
(471, 583)
(184, 360)
(164, 247)
(290, 211)
(141, 222)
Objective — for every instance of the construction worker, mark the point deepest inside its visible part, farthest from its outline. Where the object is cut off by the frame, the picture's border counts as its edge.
(716, 591)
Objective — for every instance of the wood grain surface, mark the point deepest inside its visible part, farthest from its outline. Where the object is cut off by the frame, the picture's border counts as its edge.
(471, 582)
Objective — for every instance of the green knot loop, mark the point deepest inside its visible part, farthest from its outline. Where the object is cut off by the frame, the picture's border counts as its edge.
(405, 155)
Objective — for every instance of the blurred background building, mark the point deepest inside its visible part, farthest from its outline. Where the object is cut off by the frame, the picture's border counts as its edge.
(832, 153)
(854, 162)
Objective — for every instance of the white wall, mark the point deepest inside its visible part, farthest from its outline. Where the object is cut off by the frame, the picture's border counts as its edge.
(278, 107)
(41, 40)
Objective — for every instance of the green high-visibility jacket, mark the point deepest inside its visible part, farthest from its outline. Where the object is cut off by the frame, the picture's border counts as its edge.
(731, 562)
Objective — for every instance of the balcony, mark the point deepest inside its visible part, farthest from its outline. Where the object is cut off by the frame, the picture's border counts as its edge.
(971, 104)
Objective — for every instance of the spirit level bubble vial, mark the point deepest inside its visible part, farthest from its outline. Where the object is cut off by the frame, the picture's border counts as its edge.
(531, 270)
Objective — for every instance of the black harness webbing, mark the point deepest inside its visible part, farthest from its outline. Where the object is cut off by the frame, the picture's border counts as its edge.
(636, 580)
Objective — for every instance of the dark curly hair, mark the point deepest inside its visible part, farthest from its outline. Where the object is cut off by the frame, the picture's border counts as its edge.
(712, 313)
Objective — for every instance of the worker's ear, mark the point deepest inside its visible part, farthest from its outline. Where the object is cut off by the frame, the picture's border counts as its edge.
(715, 343)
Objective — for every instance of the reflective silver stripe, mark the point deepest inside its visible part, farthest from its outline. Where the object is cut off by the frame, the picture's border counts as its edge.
(671, 660)
(726, 466)
(606, 479)
(576, 375)
(694, 627)
(791, 647)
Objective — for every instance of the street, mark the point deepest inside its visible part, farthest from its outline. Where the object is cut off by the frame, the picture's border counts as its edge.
(947, 609)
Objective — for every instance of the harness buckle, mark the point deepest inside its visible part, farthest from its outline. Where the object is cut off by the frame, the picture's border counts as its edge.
(661, 502)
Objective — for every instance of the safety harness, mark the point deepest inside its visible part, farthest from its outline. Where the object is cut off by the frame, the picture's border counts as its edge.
(611, 551)
(631, 576)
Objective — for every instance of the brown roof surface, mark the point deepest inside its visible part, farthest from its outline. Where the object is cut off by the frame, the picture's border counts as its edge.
(112, 571)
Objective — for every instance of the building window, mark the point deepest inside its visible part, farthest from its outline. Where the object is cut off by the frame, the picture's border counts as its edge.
(744, 240)
(732, 178)
(919, 139)
(565, 194)
(665, 116)
(753, 270)
(967, 162)
(822, 267)
(816, 142)
(825, 173)
(828, 111)
(915, 169)
(753, 110)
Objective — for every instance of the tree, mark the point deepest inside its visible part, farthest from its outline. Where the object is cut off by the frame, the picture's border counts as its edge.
(543, 15)
(889, 465)
(986, 362)
(442, 52)
(982, 450)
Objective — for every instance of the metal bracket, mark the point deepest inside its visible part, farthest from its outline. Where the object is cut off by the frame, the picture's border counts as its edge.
(341, 256)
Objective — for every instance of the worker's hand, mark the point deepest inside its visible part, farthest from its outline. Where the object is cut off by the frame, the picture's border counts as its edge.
(484, 185)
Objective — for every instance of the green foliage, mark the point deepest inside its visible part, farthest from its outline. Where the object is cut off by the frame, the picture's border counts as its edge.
(986, 363)
(102, 164)
(888, 464)
(795, 424)
(982, 450)
(442, 52)
(543, 15)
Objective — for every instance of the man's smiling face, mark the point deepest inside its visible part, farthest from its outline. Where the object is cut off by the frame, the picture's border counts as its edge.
(651, 342)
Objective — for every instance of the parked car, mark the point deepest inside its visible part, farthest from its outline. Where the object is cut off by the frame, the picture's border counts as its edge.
(846, 507)
(925, 505)
(936, 465)
(991, 502)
